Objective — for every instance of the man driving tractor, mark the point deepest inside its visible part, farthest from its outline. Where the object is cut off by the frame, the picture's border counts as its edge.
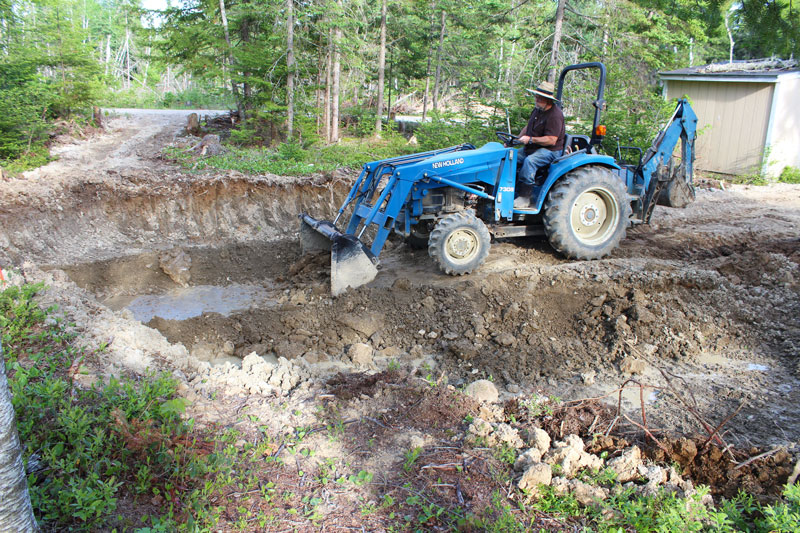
(542, 139)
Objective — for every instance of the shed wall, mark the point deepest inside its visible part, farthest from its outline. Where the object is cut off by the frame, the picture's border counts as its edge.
(732, 123)
(785, 138)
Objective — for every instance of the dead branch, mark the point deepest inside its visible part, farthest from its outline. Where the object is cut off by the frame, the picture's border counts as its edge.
(756, 458)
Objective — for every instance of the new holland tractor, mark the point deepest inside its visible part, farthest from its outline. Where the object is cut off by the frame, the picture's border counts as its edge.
(453, 201)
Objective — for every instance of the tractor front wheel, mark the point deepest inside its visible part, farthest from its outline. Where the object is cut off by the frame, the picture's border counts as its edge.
(587, 213)
(459, 243)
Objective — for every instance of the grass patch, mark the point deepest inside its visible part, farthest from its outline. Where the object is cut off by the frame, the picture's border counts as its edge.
(291, 159)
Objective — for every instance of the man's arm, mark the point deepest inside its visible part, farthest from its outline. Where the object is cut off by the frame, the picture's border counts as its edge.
(547, 140)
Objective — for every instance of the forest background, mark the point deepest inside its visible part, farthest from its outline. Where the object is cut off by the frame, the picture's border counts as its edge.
(309, 74)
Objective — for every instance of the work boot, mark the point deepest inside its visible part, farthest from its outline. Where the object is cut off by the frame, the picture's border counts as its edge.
(522, 196)
(523, 202)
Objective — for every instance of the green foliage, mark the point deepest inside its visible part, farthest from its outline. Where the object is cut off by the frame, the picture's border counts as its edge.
(789, 175)
(24, 103)
(90, 446)
(442, 132)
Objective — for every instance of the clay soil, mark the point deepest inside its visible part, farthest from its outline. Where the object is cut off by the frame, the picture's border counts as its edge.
(694, 318)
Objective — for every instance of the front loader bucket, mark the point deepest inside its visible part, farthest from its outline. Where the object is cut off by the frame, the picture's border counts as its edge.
(352, 263)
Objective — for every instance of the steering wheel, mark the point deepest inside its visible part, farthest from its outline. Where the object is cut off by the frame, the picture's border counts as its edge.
(507, 138)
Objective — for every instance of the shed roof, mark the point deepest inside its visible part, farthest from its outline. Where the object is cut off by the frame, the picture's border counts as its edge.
(762, 70)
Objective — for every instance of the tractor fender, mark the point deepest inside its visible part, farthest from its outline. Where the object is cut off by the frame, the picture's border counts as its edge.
(562, 167)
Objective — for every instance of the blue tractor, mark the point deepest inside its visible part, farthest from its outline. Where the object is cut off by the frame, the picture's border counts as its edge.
(454, 200)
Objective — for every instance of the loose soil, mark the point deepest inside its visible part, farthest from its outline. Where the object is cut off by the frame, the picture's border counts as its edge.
(693, 318)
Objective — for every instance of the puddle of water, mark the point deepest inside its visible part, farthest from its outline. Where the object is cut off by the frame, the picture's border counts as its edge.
(722, 361)
(184, 303)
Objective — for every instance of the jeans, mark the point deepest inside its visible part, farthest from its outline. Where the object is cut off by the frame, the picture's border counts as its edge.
(531, 164)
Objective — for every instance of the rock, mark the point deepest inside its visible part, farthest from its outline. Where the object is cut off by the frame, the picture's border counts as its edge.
(626, 466)
(403, 284)
(569, 454)
(480, 428)
(288, 349)
(639, 313)
(506, 339)
(513, 388)
(632, 365)
(536, 474)
(228, 348)
(588, 377)
(583, 492)
(482, 390)
(429, 303)
(392, 352)
(540, 440)
(527, 458)
(367, 325)
(254, 363)
(176, 265)
(463, 349)
(656, 477)
(505, 434)
(360, 354)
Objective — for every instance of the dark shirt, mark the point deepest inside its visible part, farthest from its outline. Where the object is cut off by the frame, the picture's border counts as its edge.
(548, 123)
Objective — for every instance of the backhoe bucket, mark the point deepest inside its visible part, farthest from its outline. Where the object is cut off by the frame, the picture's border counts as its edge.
(678, 191)
(352, 263)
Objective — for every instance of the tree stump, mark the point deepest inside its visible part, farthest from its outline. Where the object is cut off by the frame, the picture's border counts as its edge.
(193, 124)
(210, 145)
(97, 117)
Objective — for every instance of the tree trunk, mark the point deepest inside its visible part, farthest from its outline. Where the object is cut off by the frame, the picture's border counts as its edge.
(16, 514)
(730, 35)
(551, 73)
(381, 69)
(234, 87)
(335, 89)
(438, 78)
(328, 78)
(290, 69)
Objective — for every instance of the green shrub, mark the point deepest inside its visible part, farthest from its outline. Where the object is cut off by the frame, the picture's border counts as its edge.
(790, 175)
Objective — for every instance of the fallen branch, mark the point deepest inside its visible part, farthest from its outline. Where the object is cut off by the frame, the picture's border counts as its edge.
(756, 458)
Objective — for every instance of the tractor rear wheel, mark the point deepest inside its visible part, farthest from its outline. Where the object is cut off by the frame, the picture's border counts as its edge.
(459, 243)
(586, 213)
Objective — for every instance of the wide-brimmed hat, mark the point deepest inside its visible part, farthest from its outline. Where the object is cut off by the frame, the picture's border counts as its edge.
(545, 89)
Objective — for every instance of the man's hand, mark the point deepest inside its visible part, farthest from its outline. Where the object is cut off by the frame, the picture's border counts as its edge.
(525, 139)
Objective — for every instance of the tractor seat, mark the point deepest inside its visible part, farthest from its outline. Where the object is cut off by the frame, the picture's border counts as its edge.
(573, 143)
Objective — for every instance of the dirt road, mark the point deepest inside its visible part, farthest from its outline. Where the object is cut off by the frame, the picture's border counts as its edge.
(701, 308)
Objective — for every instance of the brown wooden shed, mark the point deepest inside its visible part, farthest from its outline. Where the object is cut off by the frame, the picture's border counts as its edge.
(748, 114)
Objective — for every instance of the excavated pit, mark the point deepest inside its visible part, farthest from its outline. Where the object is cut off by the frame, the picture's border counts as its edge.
(700, 307)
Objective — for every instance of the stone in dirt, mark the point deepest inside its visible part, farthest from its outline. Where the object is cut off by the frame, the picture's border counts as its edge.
(360, 354)
(632, 365)
(482, 390)
(540, 440)
(626, 466)
(536, 474)
(569, 454)
(505, 434)
(585, 493)
(527, 458)
(176, 264)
